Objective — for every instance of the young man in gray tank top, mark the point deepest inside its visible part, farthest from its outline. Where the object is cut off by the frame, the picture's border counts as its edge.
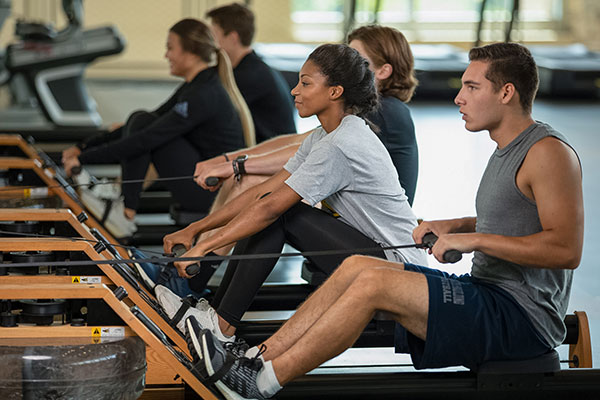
(527, 238)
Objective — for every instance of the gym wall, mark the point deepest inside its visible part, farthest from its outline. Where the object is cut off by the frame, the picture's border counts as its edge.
(144, 24)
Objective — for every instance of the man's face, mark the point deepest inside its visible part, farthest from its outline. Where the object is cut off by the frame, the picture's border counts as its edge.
(479, 104)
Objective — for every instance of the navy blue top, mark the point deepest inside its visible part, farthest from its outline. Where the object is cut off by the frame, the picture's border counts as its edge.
(267, 95)
(398, 135)
(200, 110)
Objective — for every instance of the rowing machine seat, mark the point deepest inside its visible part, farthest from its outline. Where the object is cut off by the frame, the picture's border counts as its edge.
(548, 362)
(312, 274)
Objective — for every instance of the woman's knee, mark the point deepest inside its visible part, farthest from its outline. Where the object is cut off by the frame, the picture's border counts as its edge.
(138, 120)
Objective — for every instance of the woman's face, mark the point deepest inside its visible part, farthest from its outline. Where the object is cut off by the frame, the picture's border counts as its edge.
(311, 94)
(180, 61)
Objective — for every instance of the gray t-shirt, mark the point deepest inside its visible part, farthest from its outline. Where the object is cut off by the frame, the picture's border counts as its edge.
(352, 171)
(503, 209)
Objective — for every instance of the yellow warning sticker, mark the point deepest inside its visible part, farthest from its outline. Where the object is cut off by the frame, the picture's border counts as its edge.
(75, 279)
(96, 332)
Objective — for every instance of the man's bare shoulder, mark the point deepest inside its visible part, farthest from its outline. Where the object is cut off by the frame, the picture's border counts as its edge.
(552, 152)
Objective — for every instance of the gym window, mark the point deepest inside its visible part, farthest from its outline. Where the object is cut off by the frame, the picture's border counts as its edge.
(428, 21)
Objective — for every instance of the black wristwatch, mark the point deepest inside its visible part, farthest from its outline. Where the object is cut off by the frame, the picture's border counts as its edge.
(238, 166)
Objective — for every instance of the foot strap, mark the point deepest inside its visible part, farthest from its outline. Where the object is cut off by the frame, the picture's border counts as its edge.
(230, 359)
(165, 275)
(106, 211)
(199, 369)
(186, 303)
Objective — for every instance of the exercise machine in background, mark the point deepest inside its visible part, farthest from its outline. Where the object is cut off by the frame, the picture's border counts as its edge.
(44, 70)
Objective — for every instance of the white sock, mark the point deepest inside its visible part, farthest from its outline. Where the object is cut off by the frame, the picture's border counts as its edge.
(266, 380)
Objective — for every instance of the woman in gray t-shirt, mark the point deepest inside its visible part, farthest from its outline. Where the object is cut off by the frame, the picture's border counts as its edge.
(342, 164)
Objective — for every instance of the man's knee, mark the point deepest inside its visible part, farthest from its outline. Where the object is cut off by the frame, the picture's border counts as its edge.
(374, 280)
(354, 264)
(359, 263)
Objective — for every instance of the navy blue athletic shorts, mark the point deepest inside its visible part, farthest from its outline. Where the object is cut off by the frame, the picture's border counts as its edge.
(469, 322)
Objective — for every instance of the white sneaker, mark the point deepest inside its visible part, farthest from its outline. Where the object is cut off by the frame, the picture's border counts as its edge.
(205, 314)
(203, 305)
(96, 200)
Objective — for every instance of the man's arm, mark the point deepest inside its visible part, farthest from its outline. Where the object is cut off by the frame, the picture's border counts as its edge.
(274, 199)
(270, 145)
(265, 158)
(224, 214)
(263, 164)
(551, 176)
(444, 226)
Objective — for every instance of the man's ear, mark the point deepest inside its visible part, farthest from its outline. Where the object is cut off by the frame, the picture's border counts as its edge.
(507, 92)
(335, 92)
(234, 36)
(384, 72)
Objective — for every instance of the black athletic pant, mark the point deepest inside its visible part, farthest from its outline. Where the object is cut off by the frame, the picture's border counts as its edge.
(176, 158)
(306, 229)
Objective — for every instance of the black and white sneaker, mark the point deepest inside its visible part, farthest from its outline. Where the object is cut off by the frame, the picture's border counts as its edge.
(235, 377)
(193, 330)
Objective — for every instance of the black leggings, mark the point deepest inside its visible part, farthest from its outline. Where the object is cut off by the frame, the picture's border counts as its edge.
(303, 227)
(176, 158)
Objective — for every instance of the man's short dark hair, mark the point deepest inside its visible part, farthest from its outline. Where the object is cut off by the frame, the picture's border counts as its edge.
(234, 17)
(510, 63)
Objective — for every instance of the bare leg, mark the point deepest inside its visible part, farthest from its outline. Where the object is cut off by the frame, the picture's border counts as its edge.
(320, 301)
(402, 293)
(229, 191)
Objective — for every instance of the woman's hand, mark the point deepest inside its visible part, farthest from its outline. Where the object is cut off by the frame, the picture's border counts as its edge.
(116, 125)
(70, 163)
(205, 169)
(129, 213)
(183, 236)
(195, 251)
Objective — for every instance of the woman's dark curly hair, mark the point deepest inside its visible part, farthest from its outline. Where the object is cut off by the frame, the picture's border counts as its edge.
(344, 66)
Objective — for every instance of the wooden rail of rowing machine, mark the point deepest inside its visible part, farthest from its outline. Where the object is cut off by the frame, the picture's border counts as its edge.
(581, 349)
(16, 140)
(47, 176)
(48, 215)
(40, 291)
(50, 244)
(55, 215)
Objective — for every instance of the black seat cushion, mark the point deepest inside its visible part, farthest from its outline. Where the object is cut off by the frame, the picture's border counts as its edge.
(548, 362)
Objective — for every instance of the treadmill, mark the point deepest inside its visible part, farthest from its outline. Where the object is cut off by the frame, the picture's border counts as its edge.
(46, 69)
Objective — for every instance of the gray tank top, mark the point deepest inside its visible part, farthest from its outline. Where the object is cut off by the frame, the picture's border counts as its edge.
(504, 210)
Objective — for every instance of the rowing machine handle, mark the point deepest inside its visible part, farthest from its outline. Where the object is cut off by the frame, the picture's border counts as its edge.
(450, 256)
(191, 269)
(212, 181)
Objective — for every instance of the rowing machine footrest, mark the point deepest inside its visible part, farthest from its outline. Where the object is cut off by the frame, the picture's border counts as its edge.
(184, 217)
(312, 274)
(548, 362)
